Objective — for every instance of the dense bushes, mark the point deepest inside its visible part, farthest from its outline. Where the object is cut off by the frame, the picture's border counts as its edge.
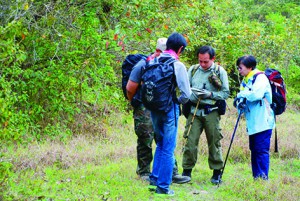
(60, 60)
(54, 66)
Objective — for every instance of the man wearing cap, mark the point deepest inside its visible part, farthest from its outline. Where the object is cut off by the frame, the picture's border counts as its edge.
(142, 120)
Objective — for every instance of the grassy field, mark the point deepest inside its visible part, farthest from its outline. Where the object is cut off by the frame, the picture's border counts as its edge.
(102, 167)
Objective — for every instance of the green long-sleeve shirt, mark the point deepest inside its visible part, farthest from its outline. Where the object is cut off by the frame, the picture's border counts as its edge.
(199, 80)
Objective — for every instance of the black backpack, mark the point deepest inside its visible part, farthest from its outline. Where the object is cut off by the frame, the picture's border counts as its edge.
(158, 84)
(127, 66)
(278, 89)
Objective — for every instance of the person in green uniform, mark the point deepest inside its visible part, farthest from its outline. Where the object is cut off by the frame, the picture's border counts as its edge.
(209, 83)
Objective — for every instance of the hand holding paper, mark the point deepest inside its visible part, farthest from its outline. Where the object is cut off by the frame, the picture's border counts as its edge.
(202, 93)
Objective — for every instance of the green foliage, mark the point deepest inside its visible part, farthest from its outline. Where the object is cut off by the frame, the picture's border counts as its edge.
(60, 60)
(53, 63)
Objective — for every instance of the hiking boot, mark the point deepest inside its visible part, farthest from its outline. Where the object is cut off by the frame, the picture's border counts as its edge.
(178, 179)
(216, 178)
(187, 172)
(145, 178)
(160, 192)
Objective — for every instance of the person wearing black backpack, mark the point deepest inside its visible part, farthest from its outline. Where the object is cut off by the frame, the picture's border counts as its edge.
(257, 99)
(142, 120)
(165, 122)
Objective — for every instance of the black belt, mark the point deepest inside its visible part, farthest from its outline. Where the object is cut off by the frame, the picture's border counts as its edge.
(202, 106)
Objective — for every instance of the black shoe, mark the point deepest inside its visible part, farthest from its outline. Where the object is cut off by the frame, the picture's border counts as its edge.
(216, 178)
(152, 185)
(187, 172)
(178, 179)
(160, 192)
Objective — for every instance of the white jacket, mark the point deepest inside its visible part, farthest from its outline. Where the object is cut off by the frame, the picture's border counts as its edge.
(258, 113)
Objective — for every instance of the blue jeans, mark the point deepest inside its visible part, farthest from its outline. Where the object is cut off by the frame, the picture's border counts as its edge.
(259, 144)
(165, 128)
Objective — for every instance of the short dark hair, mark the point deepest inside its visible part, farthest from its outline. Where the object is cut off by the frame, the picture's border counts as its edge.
(248, 60)
(175, 41)
(207, 49)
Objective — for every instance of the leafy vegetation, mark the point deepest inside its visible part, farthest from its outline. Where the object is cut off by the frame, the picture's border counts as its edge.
(60, 75)
(60, 60)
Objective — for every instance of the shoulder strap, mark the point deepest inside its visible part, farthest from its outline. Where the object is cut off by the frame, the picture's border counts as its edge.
(171, 61)
(195, 68)
(255, 76)
(217, 70)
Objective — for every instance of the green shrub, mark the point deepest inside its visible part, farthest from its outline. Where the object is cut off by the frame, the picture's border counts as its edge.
(61, 60)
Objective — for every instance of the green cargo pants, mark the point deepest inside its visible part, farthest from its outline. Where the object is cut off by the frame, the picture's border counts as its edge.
(145, 134)
(211, 125)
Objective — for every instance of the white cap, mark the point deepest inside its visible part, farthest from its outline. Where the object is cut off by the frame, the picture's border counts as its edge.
(161, 44)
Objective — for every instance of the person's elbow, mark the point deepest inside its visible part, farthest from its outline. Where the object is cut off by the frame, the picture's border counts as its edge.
(184, 100)
(129, 95)
(131, 88)
(227, 94)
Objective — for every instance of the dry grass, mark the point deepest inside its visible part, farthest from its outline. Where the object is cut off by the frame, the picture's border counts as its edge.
(105, 163)
(77, 152)
(119, 141)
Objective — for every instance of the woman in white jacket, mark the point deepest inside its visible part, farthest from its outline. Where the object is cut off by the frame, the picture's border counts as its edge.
(255, 91)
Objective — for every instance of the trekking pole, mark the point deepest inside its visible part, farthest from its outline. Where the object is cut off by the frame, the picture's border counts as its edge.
(191, 123)
(231, 141)
(276, 142)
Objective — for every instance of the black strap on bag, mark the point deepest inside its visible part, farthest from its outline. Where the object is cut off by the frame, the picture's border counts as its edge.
(221, 104)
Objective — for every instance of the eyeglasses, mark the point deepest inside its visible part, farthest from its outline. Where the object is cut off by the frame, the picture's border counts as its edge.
(239, 68)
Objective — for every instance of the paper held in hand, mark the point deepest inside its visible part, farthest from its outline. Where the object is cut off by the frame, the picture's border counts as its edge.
(198, 92)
